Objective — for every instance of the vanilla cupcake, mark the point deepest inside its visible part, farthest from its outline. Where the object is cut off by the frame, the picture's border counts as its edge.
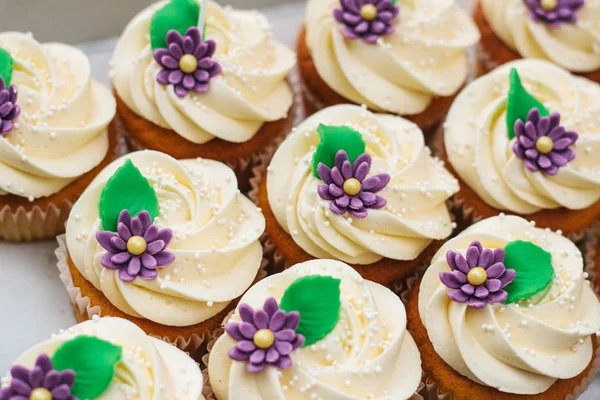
(316, 331)
(505, 312)
(523, 139)
(213, 88)
(55, 134)
(170, 245)
(564, 32)
(127, 364)
(359, 187)
(407, 58)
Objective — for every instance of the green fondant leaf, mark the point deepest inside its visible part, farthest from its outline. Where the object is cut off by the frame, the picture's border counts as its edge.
(333, 139)
(127, 189)
(533, 266)
(6, 66)
(317, 299)
(93, 361)
(520, 102)
(177, 15)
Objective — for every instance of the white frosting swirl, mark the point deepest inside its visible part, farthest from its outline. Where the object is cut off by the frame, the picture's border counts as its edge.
(369, 354)
(62, 131)
(517, 348)
(575, 47)
(416, 211)
(150, 369)
(480, 151)
(251, 90)
(425, 57)
(216, 247)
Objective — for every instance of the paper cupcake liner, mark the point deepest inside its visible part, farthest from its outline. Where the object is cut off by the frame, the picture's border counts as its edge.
(432, 389)
(195, 345)
(23, 225)
(590, 251)
(210, 395)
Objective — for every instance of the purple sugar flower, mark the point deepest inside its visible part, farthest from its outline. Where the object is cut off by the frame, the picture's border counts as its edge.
(554, 12)
(137, 249)
(543, 143)
(187, 63)
(264, 337)
(346, 186)
(9, 110)
(42, 382)
(479, 278)
(366, 19)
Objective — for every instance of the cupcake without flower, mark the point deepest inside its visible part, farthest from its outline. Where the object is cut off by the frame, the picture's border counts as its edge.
(400, 57)
(126, 364)
(505, 312)
(203, 83)
(317, 330)
(56, 134)
(564, 32)
(359, 187)
(523, 139)
(170, 245)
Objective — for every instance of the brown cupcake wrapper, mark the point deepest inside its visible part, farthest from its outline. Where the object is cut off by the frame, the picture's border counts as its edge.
(23, 225)
(195, 345)
(210, 395)
(590, 251)
(431, 387)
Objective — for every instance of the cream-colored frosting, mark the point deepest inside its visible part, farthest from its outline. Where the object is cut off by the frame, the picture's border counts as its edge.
(415, 213)
(425, 57)
(478, 147)
(369, 354)
(575, 47)
(215, 244)
(251, 90)
(150, 369)
(523, 347)
(62, 131)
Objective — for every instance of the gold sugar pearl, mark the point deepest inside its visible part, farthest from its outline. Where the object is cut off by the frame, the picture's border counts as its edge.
(188, 64)
(549, 5)
(136, 245)
(40, 394)
(264, 338)
(477, 276)
(368, 12)
(352, 187)
(544, 145)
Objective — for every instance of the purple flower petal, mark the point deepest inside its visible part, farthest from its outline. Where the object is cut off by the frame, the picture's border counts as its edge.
(476, 302)
(247, 330)
(246, 313)
(164, 258)
(272, 355)
(495, 270)
(148, 274)
(258, 356)
(155, 247)
(261, 319)
(124, 275)
(286, 335)
(246, 346)
(284, 348)
(121, 258)
(104, 239)
(233, 330)
(238, 355)
(284, 362)
(458, 296)
(277, 321)
(468, 289)
(493, 285)
(450, 280)
(292, 320)
(481, 292)
(498, 297)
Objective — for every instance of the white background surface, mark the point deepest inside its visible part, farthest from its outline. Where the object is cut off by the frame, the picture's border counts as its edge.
(33, 301)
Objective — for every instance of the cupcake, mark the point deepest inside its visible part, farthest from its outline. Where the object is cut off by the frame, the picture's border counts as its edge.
(505, 312)
(358, 187)
(55, 134)
(564, 32)
(404, 58)
(108, 358)
(215, 91)
(522, 139)
(316, 331)
(170, 245)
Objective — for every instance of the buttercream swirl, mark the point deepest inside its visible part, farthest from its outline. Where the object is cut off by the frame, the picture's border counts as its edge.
(215, 244)
(369, 354)
(425, 57)
(573, 46)
(62, 131)
(523, 347)
(251, 90)
(415, 213)
(479, 149)
(150, 369)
